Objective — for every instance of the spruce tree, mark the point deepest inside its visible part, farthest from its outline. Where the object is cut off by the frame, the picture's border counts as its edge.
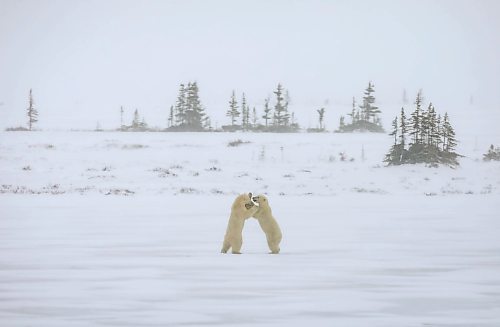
(424, 126)
(254, 117)
(449, 140)
(207, 123)
(135, 121)
(245, 116)
(233, 112)
(402, 127)
(492, 154)
(171, 117)
(368, 110)
(321, 114)
(397, 151)
(395, 130)
(438, 132)
(416, 117)
(267, 112)
(432, 133)
(121, 117)
(286, 115)
(280, 113)
(194, 110)
(341, 123)
(142, 124)
(353, 111)
(32, 112)
(180, 107)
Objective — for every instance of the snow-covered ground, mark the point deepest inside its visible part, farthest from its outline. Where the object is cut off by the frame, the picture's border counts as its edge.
(203, 163)
(125, 229)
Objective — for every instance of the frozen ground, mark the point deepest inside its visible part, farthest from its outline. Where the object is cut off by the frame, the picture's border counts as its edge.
(110, 229)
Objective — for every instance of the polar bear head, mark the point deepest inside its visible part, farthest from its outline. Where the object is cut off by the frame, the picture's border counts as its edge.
(261, 200)
(264, 210)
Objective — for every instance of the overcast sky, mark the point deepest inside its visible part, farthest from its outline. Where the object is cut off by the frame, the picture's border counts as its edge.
(84, 59)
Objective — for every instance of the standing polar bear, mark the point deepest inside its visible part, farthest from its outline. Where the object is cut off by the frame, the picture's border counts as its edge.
(244, 207)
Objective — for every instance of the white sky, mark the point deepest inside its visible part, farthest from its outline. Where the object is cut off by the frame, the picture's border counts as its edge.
(84, 59)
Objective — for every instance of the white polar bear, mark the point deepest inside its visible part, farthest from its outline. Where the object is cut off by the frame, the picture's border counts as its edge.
(268, 224)
(244, 207)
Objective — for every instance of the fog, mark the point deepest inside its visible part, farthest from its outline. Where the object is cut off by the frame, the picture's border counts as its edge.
(85, 59)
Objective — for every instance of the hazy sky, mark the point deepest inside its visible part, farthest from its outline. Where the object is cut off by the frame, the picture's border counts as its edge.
(84, 59)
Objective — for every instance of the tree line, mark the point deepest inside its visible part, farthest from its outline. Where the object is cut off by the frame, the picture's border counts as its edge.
(423, 137)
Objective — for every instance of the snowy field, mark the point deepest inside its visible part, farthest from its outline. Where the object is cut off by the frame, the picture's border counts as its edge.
(125, 229)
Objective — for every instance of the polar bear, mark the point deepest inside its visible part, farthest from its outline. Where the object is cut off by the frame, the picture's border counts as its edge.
(243, 208)
(268, 223)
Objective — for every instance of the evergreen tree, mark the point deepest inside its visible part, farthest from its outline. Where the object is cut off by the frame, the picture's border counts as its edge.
(254, 117)
(233, 112)
(353, 111)
(449, 140)
(424, 126)
(432, 126)
(32, 112)
(402, 127)
(121, 117)
(416, 118)
(396, 153)
(288, 100)
(438, 132)
(171, 117)
(207, 123)
(293, 122)
(180, 106)
(142, 124)
(194, 110)
(368, 110)
(267, 111)
(321, 114)
(286, 115)
(280, 110)
(341, 122)
(492, 154)
(135, 121)
(245, 113)
(395, 130)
